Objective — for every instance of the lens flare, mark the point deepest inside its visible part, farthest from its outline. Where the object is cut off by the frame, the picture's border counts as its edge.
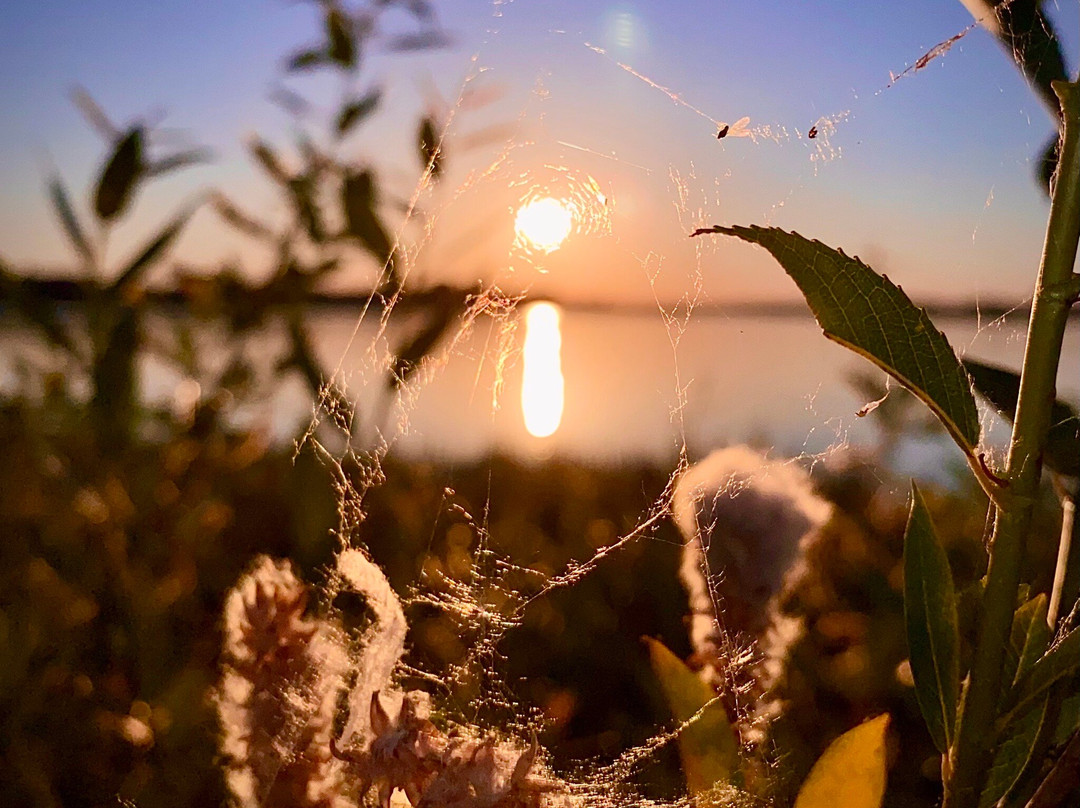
(542, 382)
(543, 224)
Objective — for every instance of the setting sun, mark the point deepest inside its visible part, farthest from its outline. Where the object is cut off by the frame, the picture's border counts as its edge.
(542, 380)
(543, 224)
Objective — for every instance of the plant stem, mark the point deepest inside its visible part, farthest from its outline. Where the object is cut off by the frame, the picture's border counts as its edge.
(1068, 519)
(1054, 294)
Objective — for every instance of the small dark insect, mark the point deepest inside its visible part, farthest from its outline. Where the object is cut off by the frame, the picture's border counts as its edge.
(812, 133)
(723, 132)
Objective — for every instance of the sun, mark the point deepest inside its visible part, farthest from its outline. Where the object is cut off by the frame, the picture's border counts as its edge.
(543, 224)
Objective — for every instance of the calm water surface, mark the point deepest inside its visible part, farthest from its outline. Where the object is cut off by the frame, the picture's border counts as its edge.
(773, 380)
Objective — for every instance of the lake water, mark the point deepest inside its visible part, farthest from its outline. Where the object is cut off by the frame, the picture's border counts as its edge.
(774, 380)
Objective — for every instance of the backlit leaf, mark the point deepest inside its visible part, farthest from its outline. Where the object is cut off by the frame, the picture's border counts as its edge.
(93, 113)
(1068, 719)
(872, 316)
(145, 259)
(175, 161)
(120, 174)
(443, 306)
(930, 615)
(707, 746)
(238, 218)
(1001, 387)
(362, 221)
(427, 140)
(268, 159)
(303, 194)
(306, 59)
(1060, 663)
(355, 111)
(68, 219)
(851, 772)
(1047, 163)
(424, 40)
(1028, 36)
(339, 34)
(1028, 640)
(115, 380)
(1014, 754)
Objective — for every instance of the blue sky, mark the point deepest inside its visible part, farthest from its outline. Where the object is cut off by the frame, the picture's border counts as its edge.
(930, 179)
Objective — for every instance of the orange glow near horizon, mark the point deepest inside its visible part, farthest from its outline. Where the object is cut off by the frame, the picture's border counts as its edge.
(543, 224)
(542, 386)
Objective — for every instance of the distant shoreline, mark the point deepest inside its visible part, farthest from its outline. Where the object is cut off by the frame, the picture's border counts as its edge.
(63, 290)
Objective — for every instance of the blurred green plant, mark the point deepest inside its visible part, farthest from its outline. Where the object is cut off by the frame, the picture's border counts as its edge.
(336, 208)
(122, 524)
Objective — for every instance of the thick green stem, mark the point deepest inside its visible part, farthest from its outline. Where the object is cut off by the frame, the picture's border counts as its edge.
(1054, 291)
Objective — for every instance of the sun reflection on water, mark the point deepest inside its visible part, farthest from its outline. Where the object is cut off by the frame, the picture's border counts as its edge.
(542, 386)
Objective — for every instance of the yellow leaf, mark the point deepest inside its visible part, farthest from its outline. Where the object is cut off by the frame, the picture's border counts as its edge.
(707, 747)
(851, 772)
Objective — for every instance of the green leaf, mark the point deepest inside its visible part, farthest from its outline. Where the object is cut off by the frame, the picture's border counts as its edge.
(68, 219)
(707, 747)
(120, 175)
(132, 272)
(851, 772)
(1001, 387)
(427, 140)
(355, 111)
(1059, 663)
(1014, 754)
(1028, 641)
(872, 316)
(1068, 720)
(932, 632)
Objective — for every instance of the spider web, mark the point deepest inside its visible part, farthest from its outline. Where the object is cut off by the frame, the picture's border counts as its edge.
(464, 227)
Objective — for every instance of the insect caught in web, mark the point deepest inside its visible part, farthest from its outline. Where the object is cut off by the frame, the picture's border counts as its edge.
(737, 129)
(812, 133)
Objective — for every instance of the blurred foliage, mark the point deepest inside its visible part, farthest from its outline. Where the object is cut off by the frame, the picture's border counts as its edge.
(123, 526)
(115, 568)
(338, 216)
